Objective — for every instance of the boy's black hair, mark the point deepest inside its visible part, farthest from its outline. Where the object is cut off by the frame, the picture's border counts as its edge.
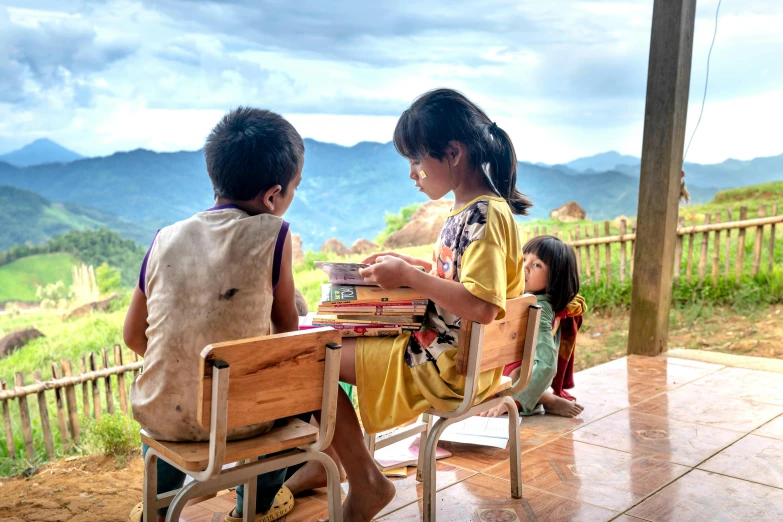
(442, 115)
(563, 283)
(251, 150)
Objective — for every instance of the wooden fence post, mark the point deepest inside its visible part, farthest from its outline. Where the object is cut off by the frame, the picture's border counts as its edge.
(596, 234)
(705, 244)
(61, 416)
(135, 359)
(678, 250)
(691, 239)
(623, 253)
(85, 391)
(96, 392)
(633, 245)
(758, 240)
(716, 252)
(741, 245)
(43, 411)
(9, 434)
(121, 379)
(772, 240)
(24, 411)
(579, 262)
(587, 253)
(70, 399)
(608, 232)
(107, 382)
(728, 245)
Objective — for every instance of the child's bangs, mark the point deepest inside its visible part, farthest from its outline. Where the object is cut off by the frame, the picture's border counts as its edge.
(408, 137)
(542, 248)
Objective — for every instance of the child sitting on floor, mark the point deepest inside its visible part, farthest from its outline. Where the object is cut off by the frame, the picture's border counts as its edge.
(550, 273)
(223, 274)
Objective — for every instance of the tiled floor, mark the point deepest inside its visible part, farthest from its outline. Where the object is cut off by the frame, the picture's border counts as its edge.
(661, 439)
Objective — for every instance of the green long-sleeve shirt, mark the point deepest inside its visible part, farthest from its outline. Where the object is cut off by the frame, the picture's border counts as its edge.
(544, 362)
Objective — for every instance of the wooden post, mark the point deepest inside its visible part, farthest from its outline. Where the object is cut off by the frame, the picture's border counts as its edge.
(43, 411)
(24, 412)
(716, 252)
(61, 416)
(597, 234)
(623, 253)
(758, 240)
(70, 399)
(536, 232)
(9, 433)
(741, 245)
(691, 239)
(772, 240)
(633, 246)
(96, 392)
(579, 255)
(668, 81)
(608, 232)
(678, 250)
(587, 253)
(543, 230)
(705, 244)
(121, 379)
(728, 245)
(107, 383)
(85, 390)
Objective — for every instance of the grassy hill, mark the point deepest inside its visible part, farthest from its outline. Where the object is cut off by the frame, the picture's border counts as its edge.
(28, 218)
(19, 278)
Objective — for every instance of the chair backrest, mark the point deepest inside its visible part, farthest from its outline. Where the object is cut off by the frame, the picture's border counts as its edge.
(503, 342)
(270, 377)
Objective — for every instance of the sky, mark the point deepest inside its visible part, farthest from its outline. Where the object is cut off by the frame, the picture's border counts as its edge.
(565, 78)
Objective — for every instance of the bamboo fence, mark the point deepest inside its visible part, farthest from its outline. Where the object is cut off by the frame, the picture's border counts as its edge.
(718, 247)
(62, 386)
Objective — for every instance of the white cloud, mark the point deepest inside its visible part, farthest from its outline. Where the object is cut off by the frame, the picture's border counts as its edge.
(564, 78)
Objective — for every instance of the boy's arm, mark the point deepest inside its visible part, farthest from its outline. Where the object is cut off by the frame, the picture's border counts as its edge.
(415, 261)
(284, 316)
(134, 331)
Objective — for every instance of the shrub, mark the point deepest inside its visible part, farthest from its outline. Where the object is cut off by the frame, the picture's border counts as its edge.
(109, 278)
(114, 434)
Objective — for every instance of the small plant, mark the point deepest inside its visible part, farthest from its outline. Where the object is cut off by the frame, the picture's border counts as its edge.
(114, 434)
(109, 279)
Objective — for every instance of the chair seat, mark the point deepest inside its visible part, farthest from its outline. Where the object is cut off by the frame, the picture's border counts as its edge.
(194, 456)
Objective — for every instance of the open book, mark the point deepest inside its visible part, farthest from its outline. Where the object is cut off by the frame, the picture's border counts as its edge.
(344, 273)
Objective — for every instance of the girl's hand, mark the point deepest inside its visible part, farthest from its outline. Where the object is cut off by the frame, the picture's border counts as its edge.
(415, 261)
(387, 272)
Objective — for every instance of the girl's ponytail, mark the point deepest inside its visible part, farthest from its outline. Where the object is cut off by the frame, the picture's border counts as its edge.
(501, 161)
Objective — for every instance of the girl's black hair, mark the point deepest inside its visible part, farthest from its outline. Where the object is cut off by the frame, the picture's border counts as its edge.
(440, 116)
(563, 283)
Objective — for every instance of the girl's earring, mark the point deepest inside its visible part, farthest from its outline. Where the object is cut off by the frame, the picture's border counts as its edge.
(422, 175)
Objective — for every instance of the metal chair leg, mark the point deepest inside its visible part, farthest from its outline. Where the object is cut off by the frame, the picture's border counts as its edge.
(150, 485)
(430, 483)
(514, 450)
(249, 500)
(422, 440)
(333, 496)
(192, 490)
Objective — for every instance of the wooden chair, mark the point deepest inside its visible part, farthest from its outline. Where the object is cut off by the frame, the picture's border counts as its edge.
(481, 348)
(247, 382)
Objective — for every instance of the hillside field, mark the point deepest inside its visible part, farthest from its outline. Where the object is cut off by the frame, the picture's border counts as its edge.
(19, 278)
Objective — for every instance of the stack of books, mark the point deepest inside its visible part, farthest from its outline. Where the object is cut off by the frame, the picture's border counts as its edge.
(360, 309)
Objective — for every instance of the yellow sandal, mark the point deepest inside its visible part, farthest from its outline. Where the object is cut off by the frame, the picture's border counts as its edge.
(283, 504)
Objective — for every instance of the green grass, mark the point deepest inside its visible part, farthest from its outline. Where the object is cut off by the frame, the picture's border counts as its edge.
(19, 278)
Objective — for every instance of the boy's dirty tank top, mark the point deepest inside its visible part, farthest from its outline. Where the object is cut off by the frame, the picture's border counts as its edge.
(208, 279)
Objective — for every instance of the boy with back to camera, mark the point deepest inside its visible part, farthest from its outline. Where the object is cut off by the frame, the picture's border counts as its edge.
(223, 274)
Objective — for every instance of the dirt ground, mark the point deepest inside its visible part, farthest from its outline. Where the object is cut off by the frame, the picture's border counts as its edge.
(75, 489)
(603, 336)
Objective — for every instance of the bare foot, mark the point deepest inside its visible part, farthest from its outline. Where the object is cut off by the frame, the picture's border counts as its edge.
(362, 506)
(310, 476)
(563, 407)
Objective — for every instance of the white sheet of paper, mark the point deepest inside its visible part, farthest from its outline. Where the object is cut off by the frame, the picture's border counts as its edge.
(481, 431)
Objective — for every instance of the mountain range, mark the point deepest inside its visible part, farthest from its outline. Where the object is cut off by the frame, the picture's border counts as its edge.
(345, 191)
(39, 152)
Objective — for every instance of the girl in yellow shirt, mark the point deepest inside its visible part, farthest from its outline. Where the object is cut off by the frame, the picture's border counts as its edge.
(452, 146)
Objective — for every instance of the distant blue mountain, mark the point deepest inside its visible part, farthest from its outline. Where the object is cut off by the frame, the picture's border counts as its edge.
(601, 162)
(39, 152)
